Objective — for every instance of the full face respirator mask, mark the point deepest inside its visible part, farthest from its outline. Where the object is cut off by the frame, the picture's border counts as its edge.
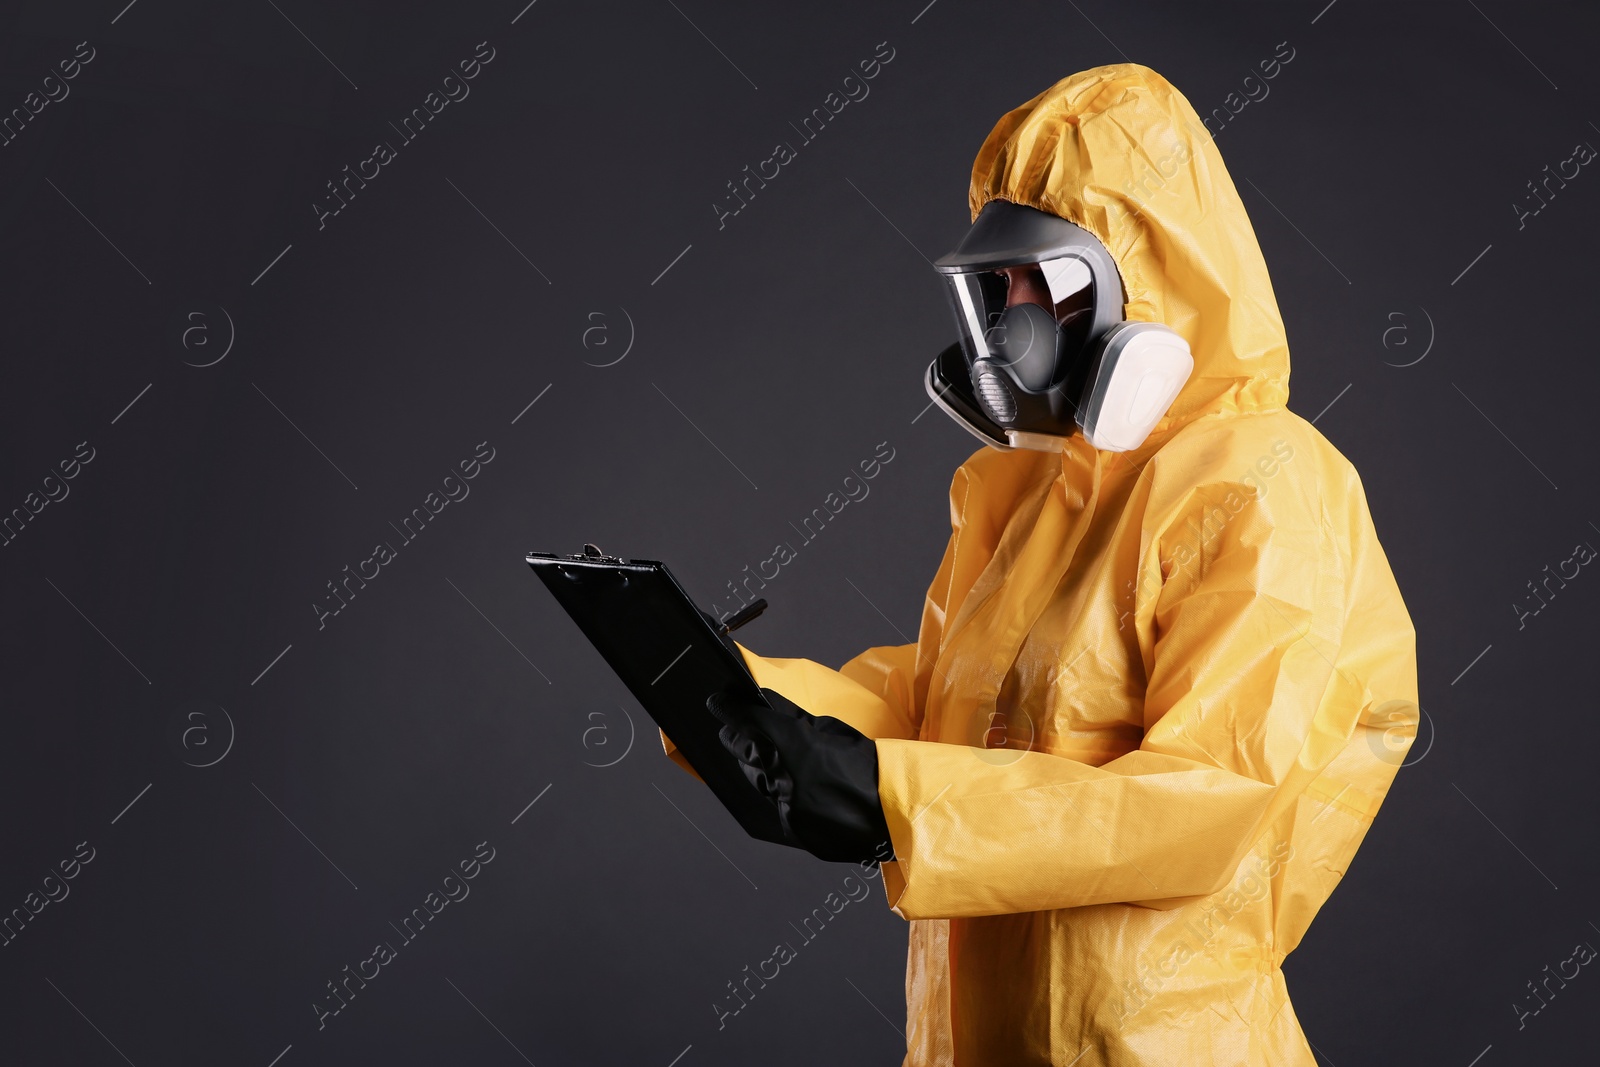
(1044, 350)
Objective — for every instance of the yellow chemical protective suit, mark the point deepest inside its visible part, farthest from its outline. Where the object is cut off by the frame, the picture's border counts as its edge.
(1157, 696)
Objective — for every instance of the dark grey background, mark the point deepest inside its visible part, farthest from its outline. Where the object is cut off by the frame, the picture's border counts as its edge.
(774, 353)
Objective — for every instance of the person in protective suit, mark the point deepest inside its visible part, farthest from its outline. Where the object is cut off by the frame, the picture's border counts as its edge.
(1164, 676)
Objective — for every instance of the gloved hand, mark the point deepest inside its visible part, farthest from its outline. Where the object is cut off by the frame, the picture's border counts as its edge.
(821, 773)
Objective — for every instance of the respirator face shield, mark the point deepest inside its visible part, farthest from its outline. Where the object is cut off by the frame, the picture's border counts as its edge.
(1043, 351)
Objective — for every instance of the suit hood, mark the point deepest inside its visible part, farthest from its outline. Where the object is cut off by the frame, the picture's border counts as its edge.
(1120, 152)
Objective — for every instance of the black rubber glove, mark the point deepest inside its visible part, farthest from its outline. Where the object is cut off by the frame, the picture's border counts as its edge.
(821, 773)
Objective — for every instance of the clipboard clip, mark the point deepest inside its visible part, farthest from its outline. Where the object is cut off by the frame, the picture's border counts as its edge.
(727, 626)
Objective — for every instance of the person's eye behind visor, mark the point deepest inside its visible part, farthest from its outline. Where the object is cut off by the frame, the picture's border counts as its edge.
(1070, 289)
(1063, 288)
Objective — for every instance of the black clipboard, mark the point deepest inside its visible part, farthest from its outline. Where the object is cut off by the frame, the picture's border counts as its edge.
(670, 657)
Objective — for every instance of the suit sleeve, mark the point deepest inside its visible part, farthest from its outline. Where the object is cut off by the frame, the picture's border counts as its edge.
(881, 691)
(873, 692)
(1243, 708)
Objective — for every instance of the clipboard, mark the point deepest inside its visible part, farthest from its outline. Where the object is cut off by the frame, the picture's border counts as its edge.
(671, 658)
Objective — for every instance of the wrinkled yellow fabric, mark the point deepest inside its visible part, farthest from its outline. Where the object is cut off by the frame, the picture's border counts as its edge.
(1157, 697)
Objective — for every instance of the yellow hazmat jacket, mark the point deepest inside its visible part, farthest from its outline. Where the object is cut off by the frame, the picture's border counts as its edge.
(1158, 696)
